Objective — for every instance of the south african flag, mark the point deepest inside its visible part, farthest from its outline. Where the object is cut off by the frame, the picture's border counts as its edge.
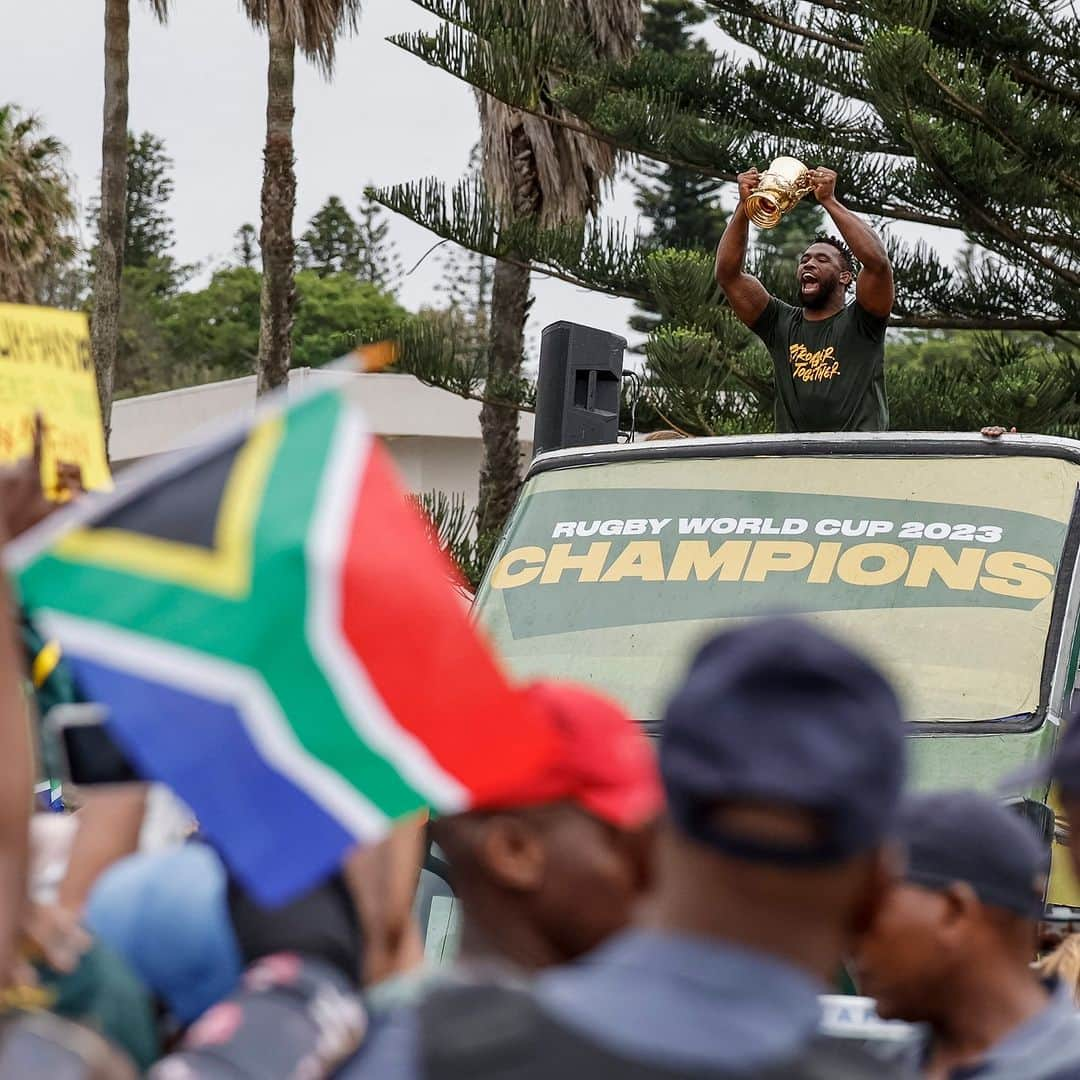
(279, 641)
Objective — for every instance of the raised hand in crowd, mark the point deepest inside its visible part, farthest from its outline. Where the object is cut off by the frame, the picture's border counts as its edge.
(23, 498)
(23, 502)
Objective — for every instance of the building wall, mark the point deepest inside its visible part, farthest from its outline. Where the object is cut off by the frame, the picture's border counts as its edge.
(448, 465)
(433, 435)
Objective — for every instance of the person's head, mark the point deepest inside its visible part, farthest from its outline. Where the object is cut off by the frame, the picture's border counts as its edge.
(824, 272)
(545, 883)
(783, 758)
(965, 912)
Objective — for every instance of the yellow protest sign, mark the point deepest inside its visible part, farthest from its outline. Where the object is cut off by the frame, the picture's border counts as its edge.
(46, 367)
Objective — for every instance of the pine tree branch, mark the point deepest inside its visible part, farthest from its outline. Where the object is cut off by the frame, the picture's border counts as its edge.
(953, 322)
(428, 50)
(1031, 79)
(596, 256)
(889, 210)
(754, 11)
(994, 224)
(978, 115)
(897, 213)
(947, 166)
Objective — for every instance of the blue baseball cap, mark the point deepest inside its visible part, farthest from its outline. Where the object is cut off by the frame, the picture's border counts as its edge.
(167, 915)
(1061, 767)
(962, 836)
(776, 712)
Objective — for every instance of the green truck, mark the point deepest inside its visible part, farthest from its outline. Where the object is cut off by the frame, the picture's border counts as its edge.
(949, 559)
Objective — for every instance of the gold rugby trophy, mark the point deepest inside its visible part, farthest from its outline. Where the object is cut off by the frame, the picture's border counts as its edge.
(781, 186)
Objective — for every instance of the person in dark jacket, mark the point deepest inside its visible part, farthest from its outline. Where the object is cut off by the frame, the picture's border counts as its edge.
(952, 945)
(782, 756)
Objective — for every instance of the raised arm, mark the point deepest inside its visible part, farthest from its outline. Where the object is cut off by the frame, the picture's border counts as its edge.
(874, 286)
(746, 295)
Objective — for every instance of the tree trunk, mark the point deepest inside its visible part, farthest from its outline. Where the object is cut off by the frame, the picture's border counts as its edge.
(278, 204)
(500, 473)
(110, 254)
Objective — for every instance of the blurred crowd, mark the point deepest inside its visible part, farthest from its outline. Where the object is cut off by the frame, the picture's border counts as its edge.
(718, 902)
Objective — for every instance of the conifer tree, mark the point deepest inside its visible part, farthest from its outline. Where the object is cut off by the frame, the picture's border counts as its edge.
(336, 242)
(379, 263)
(959, 115)
(331, 242)
(246, 246)
(681, 206)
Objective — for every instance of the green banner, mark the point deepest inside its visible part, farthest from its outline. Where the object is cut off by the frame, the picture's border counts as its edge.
(648, 555)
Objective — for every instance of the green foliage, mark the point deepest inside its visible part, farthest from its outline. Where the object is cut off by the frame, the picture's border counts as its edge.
(681, 206)
(216, 328)
(704, 383)
(987, 379)
(954, 114)
(331, 242)
(246, 247)
(37, 210)
(596, 255)
(329, 309)
(148, 229)
(380, 264)
(442, 349)
(337, 243)
(149, 235)
(666, 26)
(452, 526)
(467, 278)
(213, 333)
(145, 361)
(709, 383)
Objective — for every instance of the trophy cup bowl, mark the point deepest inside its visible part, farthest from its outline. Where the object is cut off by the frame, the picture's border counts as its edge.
(781, 186)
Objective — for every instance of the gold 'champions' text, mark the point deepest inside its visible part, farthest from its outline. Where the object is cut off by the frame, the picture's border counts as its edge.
(1014, 574)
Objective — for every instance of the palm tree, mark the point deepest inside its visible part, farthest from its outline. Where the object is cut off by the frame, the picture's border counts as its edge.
(313, 26)
(109, 260)
(534, 168)
(36, 207)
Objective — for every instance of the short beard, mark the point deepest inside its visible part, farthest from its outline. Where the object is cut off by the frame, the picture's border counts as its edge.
(819, 300)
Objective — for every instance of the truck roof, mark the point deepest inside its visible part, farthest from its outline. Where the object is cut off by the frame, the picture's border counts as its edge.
(888, 443)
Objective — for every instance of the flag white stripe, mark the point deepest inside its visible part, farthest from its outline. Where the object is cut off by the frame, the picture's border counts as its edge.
(233, 684)
(328, 538)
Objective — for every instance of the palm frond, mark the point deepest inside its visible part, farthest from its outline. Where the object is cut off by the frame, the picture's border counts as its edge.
(313, 25)
(37, 211)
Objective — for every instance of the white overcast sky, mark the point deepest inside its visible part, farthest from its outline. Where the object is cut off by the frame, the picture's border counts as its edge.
(199, 83)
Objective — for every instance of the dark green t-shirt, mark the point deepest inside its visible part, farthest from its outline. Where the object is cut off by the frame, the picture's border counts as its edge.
(830, 373)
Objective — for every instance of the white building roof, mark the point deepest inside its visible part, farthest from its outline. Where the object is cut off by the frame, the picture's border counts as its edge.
(395, 405)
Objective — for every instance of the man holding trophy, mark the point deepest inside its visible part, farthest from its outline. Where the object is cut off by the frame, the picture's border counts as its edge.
(828, 355)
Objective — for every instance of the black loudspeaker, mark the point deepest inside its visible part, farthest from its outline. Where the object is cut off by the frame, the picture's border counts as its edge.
(577, 391)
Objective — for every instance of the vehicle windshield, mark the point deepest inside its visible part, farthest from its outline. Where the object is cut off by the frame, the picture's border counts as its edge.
(941, 569)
